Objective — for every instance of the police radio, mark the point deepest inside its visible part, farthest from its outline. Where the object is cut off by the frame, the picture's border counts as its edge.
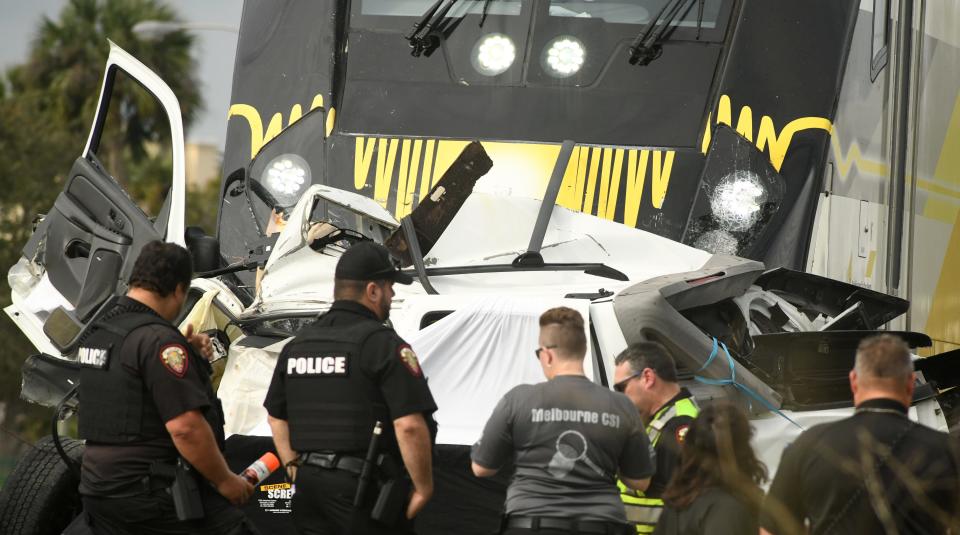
(392, 501)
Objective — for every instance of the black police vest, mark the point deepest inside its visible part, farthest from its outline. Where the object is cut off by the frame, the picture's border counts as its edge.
(115, 407)
(332, 404)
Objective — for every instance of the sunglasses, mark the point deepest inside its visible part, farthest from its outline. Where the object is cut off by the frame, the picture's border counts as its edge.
(622, 385)
(539, 349)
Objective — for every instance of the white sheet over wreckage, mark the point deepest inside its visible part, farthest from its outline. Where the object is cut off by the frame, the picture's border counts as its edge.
(475, 355)
(244, 385)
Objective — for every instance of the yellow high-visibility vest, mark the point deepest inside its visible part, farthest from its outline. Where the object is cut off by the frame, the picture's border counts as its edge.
(643, 511)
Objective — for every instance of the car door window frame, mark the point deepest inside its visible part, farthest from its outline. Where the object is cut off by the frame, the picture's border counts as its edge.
(174, 207)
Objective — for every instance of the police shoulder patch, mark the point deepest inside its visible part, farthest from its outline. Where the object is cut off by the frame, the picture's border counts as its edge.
(681, 433)
(409, 359)
(174, 359)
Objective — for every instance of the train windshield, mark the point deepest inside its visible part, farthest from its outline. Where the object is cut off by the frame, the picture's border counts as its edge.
(541, 70)
(614, 12)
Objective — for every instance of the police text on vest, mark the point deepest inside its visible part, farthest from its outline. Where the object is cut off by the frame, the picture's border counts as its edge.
(330, 365)
(92, 356)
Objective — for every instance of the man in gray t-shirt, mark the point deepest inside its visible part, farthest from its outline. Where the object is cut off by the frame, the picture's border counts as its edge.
(569, 438)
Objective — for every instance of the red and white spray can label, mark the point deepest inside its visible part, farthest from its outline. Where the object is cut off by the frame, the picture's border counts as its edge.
(261, 468)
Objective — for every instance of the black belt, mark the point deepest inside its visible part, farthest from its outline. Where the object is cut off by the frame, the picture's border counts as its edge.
(333, 461)
(566, 524)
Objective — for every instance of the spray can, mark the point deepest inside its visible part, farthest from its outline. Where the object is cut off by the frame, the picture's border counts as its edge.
(261, 468)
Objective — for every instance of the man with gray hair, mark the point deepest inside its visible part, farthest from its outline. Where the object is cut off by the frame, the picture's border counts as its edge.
(874, 472)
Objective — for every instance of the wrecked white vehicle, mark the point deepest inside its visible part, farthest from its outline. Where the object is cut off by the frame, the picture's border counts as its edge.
(779, 342)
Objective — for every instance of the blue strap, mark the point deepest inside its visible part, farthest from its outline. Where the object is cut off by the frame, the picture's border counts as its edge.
(733, 381)
(713, 355)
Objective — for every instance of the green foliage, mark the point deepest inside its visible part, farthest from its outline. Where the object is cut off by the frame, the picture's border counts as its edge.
(202, 202)
(35, 155)
(68, 55)
(47, 105)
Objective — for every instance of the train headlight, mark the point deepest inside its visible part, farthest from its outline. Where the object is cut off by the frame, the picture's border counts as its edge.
(493, 54)
(564, 56)
(285, 177)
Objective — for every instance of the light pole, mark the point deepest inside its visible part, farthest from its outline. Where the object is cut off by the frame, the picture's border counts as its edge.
(155, 29)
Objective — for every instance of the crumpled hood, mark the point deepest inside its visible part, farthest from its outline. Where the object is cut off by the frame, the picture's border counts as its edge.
(488, 230)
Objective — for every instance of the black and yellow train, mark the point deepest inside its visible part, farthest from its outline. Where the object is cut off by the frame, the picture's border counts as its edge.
(705, 121)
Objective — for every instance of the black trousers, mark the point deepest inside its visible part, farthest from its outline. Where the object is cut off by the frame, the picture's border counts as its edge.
(527, 531)
(152, 513)
(323, 505)
(610, 529)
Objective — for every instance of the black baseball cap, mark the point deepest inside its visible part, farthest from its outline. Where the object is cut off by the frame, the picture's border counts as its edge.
(369, 261)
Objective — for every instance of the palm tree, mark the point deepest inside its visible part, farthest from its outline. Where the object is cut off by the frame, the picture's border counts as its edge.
(67, 57)
(68, 54)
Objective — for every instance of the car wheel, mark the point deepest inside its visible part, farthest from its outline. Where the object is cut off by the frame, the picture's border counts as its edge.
(41, 497)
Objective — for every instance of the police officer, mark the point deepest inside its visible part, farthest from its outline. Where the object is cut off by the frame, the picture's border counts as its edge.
(332, 382)
(874, 472)
(145, 400)
(569, 437)
(646, 373)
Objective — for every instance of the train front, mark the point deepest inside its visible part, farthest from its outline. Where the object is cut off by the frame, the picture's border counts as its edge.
(703, 121)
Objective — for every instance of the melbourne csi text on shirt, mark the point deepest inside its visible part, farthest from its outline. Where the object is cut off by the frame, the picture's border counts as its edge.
(574, 416)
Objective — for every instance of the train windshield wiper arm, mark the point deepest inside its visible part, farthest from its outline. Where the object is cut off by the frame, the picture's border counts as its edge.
(483, 14)
(700, 6)
(646, 47)
(422, 37)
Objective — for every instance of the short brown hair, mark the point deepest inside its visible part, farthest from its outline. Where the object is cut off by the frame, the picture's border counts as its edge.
(567, 334)
(884, 356)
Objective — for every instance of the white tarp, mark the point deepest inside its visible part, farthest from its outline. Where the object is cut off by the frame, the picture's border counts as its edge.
(244, 385)
(472, 357)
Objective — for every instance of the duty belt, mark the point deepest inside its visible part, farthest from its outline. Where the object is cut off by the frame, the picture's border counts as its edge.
(565, 524)
(333, 461)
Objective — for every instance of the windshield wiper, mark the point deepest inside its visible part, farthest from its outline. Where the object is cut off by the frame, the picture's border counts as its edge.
(422, 37)
(646, 47)
(483, 14)
(700, 6)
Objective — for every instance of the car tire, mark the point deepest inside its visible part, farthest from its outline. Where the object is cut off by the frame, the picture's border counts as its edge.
(40, 497)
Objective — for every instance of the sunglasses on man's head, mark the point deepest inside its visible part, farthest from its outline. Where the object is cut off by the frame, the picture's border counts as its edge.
(541, 348)
(622, 385)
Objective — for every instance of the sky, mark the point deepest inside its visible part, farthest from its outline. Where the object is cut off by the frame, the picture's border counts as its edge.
(213, 51)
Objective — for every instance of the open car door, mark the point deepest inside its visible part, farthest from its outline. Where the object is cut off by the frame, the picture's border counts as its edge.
(81, 253)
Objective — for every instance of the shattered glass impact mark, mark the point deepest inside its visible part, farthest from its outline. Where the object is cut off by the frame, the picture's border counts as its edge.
(737, 200)
(717, 242)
